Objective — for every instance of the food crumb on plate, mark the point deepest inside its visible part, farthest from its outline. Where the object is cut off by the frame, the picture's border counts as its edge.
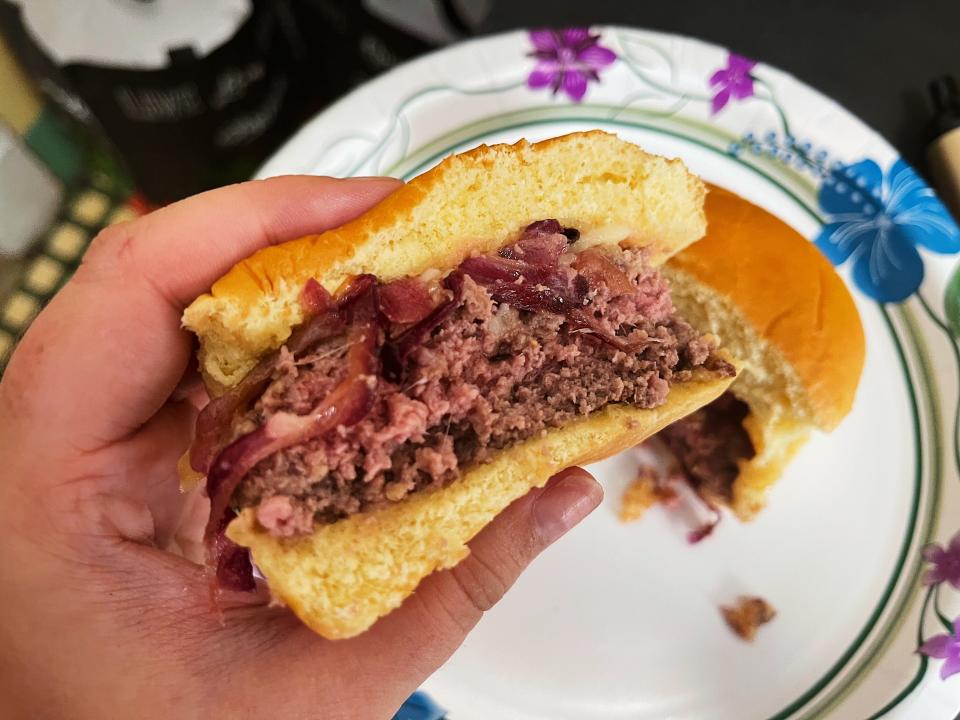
(748, 615)
(644, 492)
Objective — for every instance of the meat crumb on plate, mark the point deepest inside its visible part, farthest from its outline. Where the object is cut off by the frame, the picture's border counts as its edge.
(748, 615)
(639, 496)
(644, 492)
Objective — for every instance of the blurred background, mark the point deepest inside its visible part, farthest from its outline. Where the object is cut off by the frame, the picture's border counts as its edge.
(109, 108)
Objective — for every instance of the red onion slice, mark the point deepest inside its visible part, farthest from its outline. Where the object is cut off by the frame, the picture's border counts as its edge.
(395, 353)
(214, 421)
(349, 403)
(706, 529)
(600, 270)
(539, 250)
(314, 298)
(406, 301)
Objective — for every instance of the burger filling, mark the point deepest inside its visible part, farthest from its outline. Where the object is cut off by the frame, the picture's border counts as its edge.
(393, 388)
(708, 445)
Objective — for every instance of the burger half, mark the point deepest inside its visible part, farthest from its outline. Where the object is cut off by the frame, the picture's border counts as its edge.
(383, 390)
(775, 302)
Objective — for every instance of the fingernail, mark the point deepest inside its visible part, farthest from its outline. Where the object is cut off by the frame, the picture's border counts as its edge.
(565, 502)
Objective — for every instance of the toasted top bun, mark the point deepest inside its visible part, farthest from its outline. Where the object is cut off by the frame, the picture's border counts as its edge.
(475, 202)
(777, 304)
(345, 575)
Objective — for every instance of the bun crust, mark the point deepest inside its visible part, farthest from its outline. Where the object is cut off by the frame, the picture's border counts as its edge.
(344, 576)
(473, 202)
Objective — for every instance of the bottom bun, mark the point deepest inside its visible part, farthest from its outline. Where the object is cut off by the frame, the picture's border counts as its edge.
(345, 575)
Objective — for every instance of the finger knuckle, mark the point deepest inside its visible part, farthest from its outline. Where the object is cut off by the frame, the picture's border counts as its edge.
(484, 582)
(111, 241)
(442, 614)
(108, 252)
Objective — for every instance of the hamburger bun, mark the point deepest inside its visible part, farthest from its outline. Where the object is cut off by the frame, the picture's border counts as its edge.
(777, 304)
(346, 574)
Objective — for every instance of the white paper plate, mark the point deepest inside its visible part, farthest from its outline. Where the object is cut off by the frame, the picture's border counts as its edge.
(621, 621)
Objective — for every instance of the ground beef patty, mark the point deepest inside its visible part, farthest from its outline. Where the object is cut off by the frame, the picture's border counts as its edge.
(709, 443)
(487, 377)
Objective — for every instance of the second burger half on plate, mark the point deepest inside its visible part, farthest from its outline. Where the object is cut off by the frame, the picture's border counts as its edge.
(774, 301)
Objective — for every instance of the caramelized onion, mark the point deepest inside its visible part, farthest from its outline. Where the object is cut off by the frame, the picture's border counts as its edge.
(396, 352)
(314, 298)
(527, 274)
(540, 249)
(702, 533)
(215, 420)
(233, 570)
(599, 270)
(704, 529)
(581, 321)
(406, 301)
(349, 403)
(542, 227)
(523, 285)
(355, 289)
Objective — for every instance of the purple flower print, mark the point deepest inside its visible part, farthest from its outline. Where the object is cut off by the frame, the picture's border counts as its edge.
(567, 60)
(734, 81)
(944, 647)
(945, 563)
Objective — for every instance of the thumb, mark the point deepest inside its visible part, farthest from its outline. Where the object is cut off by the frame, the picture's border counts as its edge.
(416, 639)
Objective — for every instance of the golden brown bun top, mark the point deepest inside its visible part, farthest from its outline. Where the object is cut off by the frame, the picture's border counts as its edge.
(789, 292)
(476, 201)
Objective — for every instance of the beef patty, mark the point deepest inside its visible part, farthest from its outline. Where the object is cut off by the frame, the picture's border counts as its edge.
(709, 443)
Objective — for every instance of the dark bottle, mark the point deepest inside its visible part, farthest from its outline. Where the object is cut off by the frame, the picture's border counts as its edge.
(943, 153)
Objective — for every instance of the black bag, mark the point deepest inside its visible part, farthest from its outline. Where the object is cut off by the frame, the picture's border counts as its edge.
(207, 109)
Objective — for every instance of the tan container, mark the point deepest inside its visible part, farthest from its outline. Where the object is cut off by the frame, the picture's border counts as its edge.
(943, 158)
(20, 104)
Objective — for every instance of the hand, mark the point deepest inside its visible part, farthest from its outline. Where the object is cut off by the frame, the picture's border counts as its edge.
(102, 613)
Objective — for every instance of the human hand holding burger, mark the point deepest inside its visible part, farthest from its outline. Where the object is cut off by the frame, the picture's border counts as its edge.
(106, 607)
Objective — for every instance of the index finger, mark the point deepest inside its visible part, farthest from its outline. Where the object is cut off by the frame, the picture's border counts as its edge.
(110, 342)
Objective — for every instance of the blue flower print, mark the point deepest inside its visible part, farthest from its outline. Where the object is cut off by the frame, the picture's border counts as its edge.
(878, 222)
(419, 706)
